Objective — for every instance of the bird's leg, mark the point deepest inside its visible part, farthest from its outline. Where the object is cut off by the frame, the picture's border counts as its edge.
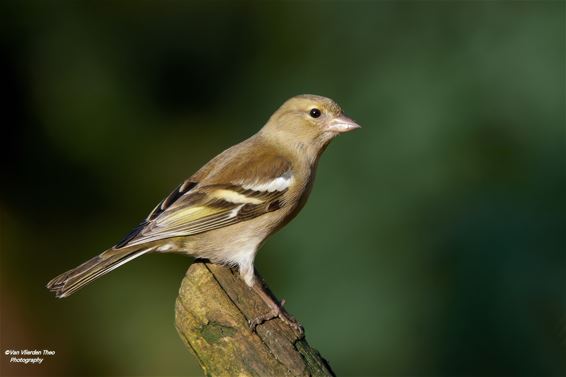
(255, 282)
(276, 310)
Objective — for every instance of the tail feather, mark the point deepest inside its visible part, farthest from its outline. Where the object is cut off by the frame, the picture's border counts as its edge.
(71, 281)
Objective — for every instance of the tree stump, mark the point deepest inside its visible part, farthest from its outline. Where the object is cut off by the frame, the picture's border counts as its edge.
(211, 316)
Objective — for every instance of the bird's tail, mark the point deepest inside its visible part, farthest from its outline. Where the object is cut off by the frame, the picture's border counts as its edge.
(71, 281)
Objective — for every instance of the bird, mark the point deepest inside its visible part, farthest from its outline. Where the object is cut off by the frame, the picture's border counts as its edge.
(227, 209)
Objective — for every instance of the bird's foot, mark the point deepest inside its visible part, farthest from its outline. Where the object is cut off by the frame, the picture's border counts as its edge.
(277, 311)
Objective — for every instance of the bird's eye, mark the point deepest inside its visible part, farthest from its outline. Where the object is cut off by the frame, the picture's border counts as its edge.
(315, 113)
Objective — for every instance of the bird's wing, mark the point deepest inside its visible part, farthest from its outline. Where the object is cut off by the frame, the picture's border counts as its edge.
(227, 194)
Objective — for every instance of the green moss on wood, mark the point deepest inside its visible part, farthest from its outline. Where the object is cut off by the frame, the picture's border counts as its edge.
(212, 332)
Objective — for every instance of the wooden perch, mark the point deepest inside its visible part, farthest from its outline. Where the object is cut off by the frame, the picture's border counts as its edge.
(211, 316)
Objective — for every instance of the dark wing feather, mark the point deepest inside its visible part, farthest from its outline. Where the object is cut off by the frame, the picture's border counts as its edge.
(182, 189)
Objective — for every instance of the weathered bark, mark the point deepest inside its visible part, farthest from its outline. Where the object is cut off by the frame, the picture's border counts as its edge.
(211, 316)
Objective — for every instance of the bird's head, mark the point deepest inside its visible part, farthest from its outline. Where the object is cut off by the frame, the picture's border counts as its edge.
(309, 122)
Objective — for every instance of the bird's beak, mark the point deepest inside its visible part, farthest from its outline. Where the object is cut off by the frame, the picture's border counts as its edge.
(342, 124)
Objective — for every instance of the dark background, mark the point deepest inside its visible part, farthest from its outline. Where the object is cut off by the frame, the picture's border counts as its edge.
(433, 243)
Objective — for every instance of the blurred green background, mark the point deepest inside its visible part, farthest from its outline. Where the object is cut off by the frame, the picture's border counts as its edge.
(433, 243)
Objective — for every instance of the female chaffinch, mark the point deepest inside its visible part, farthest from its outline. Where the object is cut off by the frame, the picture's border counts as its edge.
(226, 210)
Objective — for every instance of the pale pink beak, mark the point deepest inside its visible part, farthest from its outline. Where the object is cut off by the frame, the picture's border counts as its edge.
(342, 124)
